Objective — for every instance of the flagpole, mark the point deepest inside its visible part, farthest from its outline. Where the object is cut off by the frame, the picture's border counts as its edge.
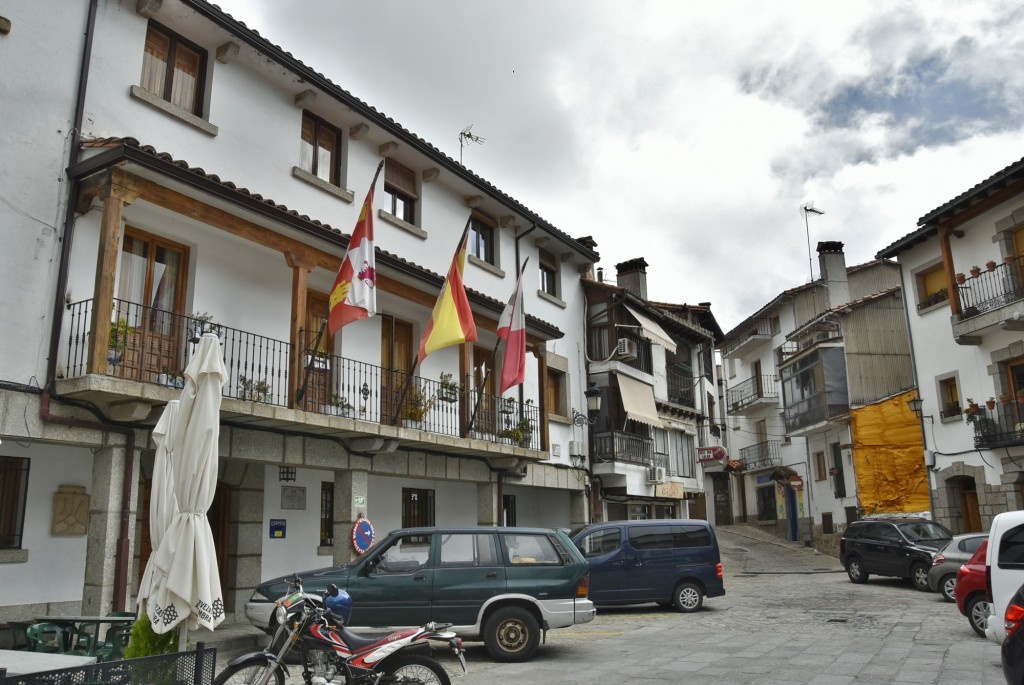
(490, 366)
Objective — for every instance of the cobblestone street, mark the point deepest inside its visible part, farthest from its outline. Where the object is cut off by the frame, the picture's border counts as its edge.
(790, 616)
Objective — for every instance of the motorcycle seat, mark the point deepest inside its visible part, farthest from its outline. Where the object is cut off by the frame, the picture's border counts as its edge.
(357, 642)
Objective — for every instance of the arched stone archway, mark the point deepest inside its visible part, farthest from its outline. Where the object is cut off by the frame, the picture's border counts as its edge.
(960, 497)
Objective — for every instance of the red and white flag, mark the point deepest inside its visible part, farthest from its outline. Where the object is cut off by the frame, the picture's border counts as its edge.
(512, 329)
(354, 295)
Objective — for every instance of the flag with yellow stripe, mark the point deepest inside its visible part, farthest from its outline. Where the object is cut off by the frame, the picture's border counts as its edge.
(451, 322)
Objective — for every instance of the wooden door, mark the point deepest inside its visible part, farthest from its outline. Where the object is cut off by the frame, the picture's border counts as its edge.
(758, 388)
(484, 385)
(396, 355)
(219, 516)
(317, 356)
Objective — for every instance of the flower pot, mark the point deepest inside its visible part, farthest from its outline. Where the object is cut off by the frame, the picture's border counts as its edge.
(990, 265)
(195, 332)
(161, 379)
(113, 356)
(1004, 399)
(411, 423)
(961, 278)
(1009, 259)
(975, 272)
(449, 397)
(991, 404)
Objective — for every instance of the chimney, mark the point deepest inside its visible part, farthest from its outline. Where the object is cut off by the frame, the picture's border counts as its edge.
(632, 275)
(832, 265)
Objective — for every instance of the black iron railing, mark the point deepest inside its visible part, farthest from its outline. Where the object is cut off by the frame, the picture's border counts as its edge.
(1001, 426)
(680, 389)
(754, 388)
(623, 447)
(805, 340)
(761, 455)
(189, 667)
(154, 346)
(991, 288)
(762, 328)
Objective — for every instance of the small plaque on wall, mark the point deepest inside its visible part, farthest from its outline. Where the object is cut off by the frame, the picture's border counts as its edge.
(293, 497)
(278, 528)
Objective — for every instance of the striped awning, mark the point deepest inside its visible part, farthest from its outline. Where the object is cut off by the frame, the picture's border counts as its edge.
(652, 331)
(638, 401)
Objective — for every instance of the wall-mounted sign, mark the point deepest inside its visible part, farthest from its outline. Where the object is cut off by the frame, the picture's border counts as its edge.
(715, 453)
(796, 482)
(277, 527)
(360, 501)
(362, 535)
(293, 497)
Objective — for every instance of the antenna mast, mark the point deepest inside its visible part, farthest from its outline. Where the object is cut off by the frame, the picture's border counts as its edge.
(467, 135)
(809, 209)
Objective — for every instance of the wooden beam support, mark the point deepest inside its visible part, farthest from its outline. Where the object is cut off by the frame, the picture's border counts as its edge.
(301, 266)
(947, 266)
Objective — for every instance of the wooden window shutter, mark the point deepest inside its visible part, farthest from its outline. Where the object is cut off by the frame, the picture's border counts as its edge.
(400, 177)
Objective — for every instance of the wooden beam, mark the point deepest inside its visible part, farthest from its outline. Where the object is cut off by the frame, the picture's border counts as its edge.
(947, 267)
(301, 265)
(542, 383)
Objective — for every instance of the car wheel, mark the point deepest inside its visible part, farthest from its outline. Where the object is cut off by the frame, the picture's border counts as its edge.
(855, 569)
(919, 577)
(688, 597)
(977, 610)
(511, 634)
(947, 584)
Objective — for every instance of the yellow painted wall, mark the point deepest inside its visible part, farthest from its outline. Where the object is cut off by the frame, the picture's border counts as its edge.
(888, 456)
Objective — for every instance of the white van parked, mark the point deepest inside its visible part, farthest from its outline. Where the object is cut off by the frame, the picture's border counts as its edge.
(1004, 565)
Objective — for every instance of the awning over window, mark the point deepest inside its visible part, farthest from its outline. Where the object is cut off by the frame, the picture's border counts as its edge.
(638, 401)
(652, 331)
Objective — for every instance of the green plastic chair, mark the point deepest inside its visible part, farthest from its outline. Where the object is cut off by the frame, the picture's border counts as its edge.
(49, 637)
(116, 639)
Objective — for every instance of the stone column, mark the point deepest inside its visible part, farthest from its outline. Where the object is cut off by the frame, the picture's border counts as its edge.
(488, 506)
(350, 500)
(248, 531)
(105, 506)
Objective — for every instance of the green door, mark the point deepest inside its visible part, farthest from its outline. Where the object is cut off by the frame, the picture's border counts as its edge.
(837, 464)
(469, 573)
(392, 586)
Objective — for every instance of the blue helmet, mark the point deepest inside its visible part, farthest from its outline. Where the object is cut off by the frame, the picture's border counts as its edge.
(338, 602)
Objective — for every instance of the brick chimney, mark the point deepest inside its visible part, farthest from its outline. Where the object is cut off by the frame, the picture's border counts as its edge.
(632, 275)
(832, 265)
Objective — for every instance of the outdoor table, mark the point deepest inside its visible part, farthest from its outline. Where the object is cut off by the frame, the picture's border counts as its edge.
(94, 621)
(19, 662)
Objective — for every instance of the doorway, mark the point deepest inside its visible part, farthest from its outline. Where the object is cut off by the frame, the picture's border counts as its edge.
(395, 362)
(723, 498)
(321, 347)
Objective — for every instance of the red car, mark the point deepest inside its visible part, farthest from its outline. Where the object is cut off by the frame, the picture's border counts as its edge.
(971, 591)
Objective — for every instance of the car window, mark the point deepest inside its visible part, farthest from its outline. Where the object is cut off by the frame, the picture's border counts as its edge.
(404, 554)
(971, 545)
(888, 534)
(691, 535)
(530, 549)
(651, 537)
(924, 530)
(1011, 549)
(468, 549)
(869, 531)
(600, 542)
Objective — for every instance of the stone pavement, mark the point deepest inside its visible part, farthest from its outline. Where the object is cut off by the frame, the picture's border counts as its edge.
(790, 616)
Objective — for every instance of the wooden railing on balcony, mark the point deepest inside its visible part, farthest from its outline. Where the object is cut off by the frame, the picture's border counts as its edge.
(761, 455)
(154, 346)
(603, 340)
(991, 289)
(754, 388)
(623, 447)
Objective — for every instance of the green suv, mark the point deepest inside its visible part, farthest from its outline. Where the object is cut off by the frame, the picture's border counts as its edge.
(500, 585)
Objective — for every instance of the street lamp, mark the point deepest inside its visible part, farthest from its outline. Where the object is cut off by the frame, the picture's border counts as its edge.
(593, 395)
(917, 406)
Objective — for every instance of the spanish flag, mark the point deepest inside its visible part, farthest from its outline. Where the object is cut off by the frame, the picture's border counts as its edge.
(354, 295)
(451, 322)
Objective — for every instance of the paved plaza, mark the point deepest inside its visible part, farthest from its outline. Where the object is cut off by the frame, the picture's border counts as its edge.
(790, 617)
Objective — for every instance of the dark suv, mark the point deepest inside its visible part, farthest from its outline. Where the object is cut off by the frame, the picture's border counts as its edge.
(900, 547)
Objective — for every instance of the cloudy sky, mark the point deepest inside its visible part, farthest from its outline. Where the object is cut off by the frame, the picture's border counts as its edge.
(691, 133)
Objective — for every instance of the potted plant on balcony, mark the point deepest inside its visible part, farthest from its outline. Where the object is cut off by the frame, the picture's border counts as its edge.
(199, 323)
(990, 265)
(415, 408)
(340, 406)
(961, 278)
(253, 390)
(117, 344)
(975, 271)
(508, 406)
(1009, 259)
(990, 403)
(1004, 398)
(169, 377)
(450, 390)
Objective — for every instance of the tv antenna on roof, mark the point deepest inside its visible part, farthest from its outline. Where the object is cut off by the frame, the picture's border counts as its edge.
(809, 208)
(467, 135)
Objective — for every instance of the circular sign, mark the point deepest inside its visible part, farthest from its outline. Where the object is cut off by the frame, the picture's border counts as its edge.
(362, 535)
(796, 482)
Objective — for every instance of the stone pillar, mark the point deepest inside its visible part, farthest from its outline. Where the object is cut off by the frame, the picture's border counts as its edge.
(108, 471)
(350, 501)
(577, 509)
(488, 506)
(248, 532)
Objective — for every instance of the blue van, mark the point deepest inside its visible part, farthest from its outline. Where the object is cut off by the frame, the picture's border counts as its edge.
(674, 562)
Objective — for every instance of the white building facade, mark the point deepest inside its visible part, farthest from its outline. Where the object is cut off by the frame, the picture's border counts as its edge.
(176, 168)
(961, 272)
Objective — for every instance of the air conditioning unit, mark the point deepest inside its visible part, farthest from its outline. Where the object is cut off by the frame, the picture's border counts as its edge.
(656, 474)
(577, 448)
(626, 349)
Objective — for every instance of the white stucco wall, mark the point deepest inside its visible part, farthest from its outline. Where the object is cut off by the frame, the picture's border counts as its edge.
(540, 507)
(56, 565)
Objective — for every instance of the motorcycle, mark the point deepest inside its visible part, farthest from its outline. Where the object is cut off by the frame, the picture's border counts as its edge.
(331, 654)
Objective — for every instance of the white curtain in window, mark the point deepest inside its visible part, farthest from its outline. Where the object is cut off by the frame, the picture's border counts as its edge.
(131, 287)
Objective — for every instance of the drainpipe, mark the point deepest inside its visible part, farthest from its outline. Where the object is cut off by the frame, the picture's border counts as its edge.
(121, 561)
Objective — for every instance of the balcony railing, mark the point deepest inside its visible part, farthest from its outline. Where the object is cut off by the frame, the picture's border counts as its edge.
(762, 455)
(604, 341)
(762, 330)
(680, 389)
(813, 410)
(750, 390)
(999, 427)
(991, 289)
(623, 447)
(153, 346)
(806, 339)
